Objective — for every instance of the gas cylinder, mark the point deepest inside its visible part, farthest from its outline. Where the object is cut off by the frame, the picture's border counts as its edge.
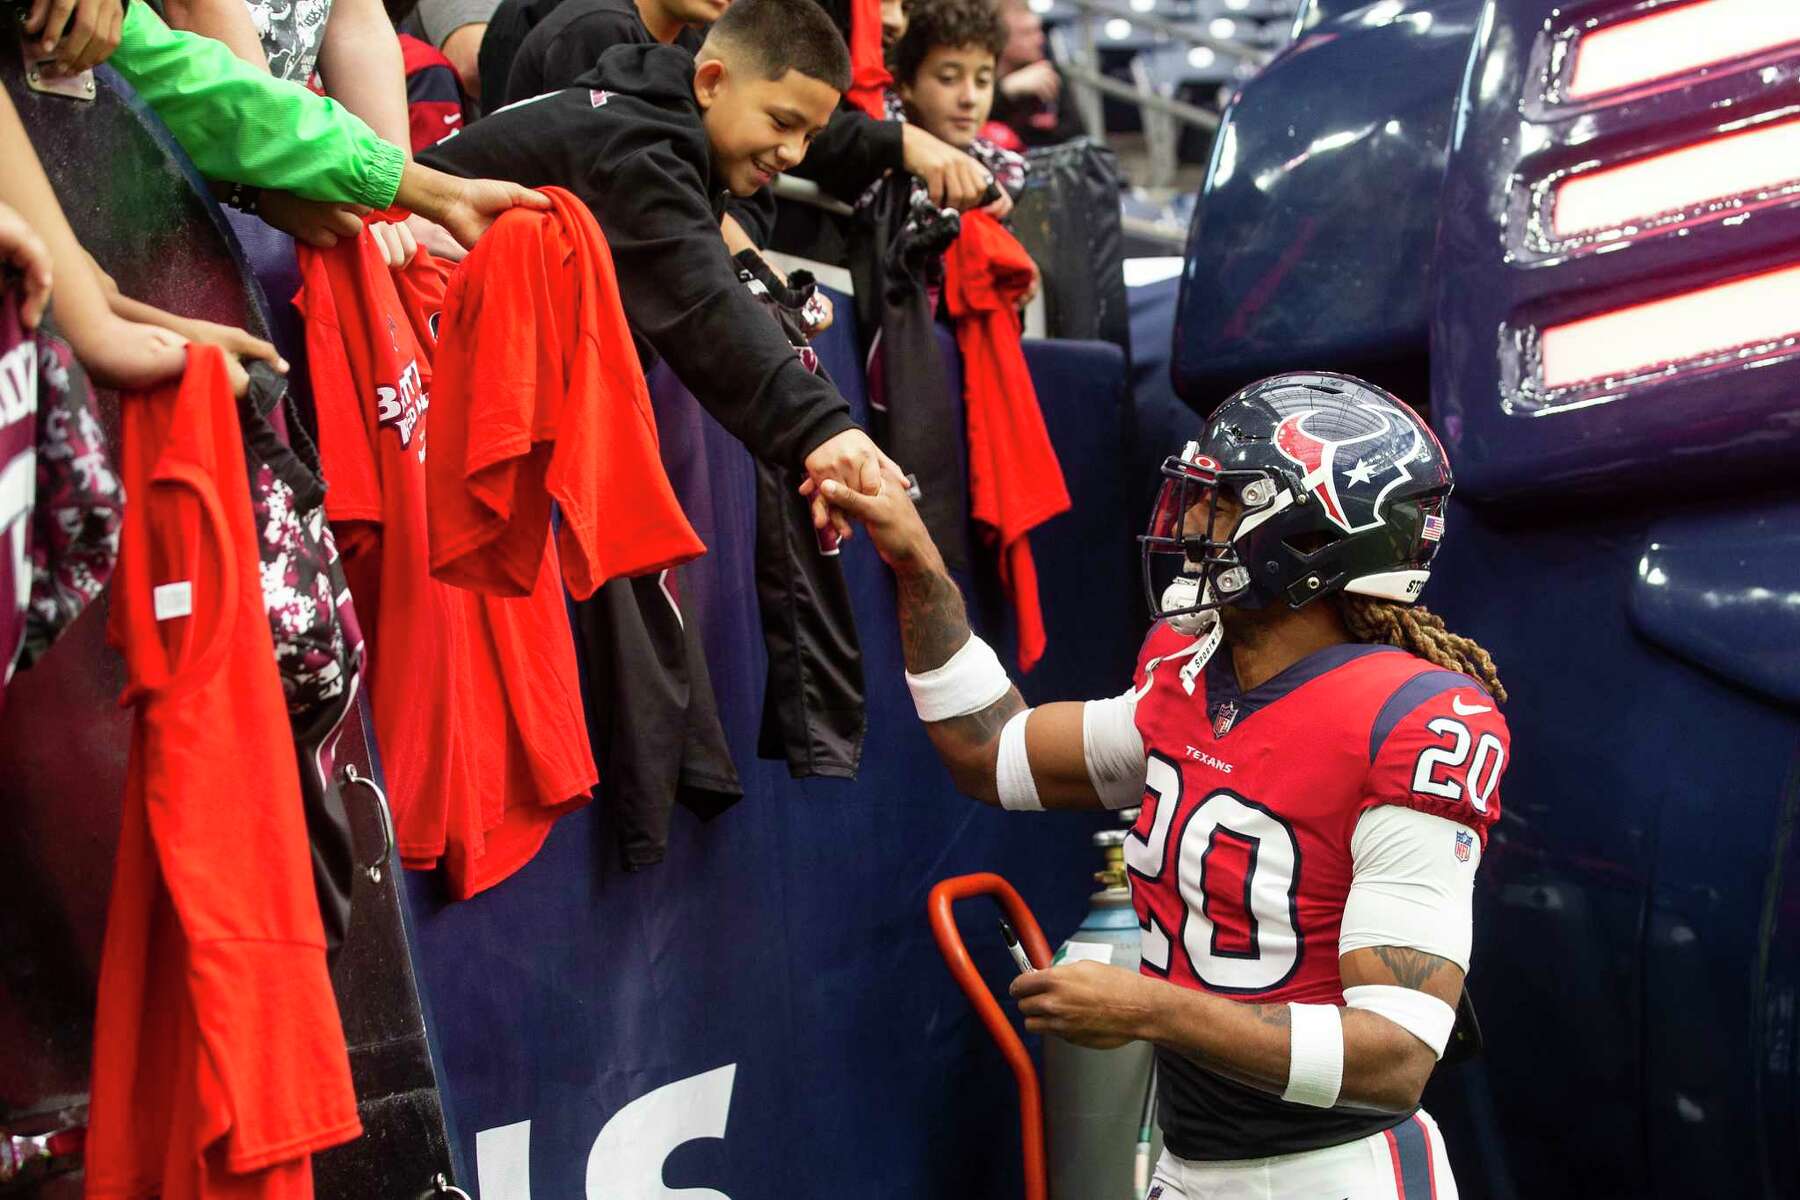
(1099, 1105)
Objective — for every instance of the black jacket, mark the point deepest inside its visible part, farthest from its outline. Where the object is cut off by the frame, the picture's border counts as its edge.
(630, 143)
(567, 43)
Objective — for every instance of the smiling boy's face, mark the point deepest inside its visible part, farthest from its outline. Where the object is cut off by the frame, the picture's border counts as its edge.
(759, 127)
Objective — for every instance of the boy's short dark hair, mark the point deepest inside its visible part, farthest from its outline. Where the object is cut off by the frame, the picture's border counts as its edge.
(786, 35)
(955, 23)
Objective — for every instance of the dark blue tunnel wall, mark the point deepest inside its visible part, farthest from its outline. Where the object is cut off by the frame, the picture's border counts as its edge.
(787, 939)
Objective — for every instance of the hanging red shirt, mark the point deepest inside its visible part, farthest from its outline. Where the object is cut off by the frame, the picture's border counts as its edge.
(869, 77)
(540, 748)
(1015, 480)
(219, 1058)
(540, 396)
(477, 706)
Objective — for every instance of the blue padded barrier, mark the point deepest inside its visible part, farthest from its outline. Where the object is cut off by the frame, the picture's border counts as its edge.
(781, 951)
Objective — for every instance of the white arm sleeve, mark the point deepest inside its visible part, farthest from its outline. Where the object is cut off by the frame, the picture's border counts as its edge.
(1114, 750)
(1408, 886)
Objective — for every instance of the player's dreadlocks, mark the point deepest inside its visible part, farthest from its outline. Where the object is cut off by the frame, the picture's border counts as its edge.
(1417, 629)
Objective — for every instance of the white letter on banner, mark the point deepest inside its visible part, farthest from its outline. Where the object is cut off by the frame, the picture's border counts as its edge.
(626, 1162)
(503, 1162)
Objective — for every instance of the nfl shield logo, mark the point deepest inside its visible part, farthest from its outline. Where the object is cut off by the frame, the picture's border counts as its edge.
(1224, 718)
(1464, 843)
(1155, 1192)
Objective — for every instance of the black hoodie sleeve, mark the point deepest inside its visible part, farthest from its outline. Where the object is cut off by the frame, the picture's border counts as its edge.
(852, 151)
(682, 295)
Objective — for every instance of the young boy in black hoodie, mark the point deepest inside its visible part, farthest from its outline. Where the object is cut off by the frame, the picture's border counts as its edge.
(653, 140)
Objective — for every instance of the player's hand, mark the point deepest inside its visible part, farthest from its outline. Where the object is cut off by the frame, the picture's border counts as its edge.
(1088, 1003)
(313, 222)
(480, 203)
(124, 354)
(74, 34)
(953, 179)
(435, 238)
(395, 241)
(852, 459)
(894, 524)
(1038, 81)
(22, 249)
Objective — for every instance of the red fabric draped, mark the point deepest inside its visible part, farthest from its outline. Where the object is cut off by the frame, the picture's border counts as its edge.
(869, 76)
(1015, 480)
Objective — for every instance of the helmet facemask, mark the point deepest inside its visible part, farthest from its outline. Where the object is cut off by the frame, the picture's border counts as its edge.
(1191, 564)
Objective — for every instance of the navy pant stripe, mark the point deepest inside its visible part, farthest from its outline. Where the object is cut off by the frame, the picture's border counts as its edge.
(1413, 1155)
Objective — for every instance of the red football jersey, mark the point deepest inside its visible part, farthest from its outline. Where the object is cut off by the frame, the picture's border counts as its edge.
(1240, 861)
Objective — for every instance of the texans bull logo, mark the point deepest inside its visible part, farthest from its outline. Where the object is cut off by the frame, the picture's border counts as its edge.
(1356, 469)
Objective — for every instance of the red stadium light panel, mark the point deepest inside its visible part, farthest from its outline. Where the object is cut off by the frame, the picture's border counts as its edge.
(1675, 41)
(1751, 164)
(1755, 311)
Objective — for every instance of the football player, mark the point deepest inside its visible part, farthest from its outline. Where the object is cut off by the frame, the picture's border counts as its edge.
(1318, 762)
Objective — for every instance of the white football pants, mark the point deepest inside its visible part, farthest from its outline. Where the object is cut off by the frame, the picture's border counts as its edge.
(1406, 1162)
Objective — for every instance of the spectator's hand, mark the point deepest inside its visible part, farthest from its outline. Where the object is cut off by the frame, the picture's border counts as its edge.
(74, 34)
(479, 203)
(20, 247)
(819, 315)
(314, 222)
(894, 525)
(1000, 208)
(395, 241)
(953, 178)
(851, 459)
(236, 343)
(435, 238)
(1039, 81)
(124, 354)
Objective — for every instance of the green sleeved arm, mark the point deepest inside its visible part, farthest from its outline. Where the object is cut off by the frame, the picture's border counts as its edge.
(242, 125)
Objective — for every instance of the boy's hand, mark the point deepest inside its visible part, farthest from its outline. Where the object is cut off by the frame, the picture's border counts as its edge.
(893, 523)
(953, 178)
(314, 222)
(23, 249)
(852, 459)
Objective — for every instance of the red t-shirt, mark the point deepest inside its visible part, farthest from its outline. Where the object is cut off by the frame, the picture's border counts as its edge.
(219, 1057)
(540, 746)
(477, 709)
(540, 396)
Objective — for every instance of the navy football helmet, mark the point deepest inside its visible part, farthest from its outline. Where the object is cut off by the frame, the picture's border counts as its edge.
(1330, 485)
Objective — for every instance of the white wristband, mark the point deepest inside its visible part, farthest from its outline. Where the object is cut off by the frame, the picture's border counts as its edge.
(970, 681)
(1424, 1016)
(1315, 1055)
(1012, 768)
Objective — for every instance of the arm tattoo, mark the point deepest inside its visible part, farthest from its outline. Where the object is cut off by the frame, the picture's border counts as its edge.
(933, 622)
(1412, 968)
(980, 728)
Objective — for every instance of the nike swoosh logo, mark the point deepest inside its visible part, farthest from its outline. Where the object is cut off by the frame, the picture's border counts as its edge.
(452, 118)
(1468, 710)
